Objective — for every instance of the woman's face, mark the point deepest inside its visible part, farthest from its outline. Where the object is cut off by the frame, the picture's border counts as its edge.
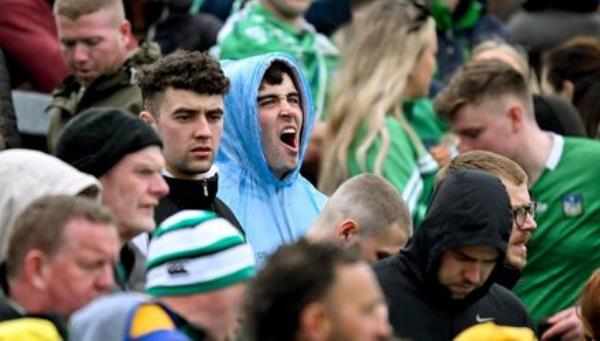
(419, 79)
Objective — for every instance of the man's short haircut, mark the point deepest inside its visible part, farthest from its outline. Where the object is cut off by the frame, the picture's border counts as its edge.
(181, 70)
(295, 276)
(73, 9)
(590, 305)
(370, 200)
(479, 80)
(41, 226)
(498, 165)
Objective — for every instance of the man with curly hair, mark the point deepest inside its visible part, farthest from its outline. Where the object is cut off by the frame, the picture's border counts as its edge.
(183, 101)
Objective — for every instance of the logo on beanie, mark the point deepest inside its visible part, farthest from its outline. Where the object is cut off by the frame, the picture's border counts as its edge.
(176, 269)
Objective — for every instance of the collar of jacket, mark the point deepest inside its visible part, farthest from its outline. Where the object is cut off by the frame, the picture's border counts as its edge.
(186, 192)
(65, 95)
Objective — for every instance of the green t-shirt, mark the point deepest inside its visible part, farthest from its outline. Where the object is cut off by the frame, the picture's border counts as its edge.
(412, 176)
(254, 31)
(565, 247)
(422, 117)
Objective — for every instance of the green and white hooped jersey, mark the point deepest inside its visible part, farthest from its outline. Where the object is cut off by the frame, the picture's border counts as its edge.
(412, 175)
(565, 247)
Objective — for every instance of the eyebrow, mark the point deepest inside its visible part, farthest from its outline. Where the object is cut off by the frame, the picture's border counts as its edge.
(293, 93)
(194, 111)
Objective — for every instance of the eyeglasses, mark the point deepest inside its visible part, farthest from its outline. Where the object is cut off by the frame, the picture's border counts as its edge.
(520, 213)
(422, 16)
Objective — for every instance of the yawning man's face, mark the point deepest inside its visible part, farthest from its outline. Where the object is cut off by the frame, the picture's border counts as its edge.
(280, 116)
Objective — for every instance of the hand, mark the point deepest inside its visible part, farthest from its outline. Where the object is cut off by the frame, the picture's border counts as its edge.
(566, 325)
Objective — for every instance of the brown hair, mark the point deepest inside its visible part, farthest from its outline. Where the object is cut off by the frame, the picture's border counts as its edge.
(590, 305)
(73, 9)
(288, 283)
(495, 164)
(41, 226)
(184, 70)
(479, 80)
(578, 61)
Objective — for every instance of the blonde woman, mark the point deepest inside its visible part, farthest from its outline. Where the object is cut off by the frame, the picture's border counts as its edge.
(390, 58)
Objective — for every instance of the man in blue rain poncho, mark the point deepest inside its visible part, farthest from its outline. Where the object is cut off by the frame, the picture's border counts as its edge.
(268, 122)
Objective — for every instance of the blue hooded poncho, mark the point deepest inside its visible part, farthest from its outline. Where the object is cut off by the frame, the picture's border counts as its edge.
(272, 211)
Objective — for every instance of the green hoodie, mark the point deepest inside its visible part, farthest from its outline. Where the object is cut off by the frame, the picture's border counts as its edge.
(255, 31)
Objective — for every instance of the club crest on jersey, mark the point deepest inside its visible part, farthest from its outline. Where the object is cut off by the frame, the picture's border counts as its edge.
(573, 204)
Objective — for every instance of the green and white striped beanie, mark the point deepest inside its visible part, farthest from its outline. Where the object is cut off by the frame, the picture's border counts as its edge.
(195, 252)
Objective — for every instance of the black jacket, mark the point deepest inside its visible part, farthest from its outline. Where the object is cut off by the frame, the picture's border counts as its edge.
(468, 208)
(194, 195)
(9, 134)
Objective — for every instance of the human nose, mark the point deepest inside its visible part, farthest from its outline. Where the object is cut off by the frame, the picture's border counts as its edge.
(530, 223)
(473, 272)
(106, 278)
(80, 53)
(383, 330)
(464, 146)
(202, 130)
(159, 187)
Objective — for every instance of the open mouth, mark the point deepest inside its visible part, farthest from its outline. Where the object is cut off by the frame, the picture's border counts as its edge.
(288, 137)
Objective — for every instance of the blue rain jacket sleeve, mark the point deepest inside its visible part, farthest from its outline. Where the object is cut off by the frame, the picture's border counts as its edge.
(272, 211)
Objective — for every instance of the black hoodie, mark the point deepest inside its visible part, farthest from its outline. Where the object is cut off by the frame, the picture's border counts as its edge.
(468, 208)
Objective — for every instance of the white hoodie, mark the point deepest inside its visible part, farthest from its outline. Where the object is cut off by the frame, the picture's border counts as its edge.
(26, 175)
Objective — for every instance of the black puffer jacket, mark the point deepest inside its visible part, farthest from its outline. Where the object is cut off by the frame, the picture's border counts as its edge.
(468, 208)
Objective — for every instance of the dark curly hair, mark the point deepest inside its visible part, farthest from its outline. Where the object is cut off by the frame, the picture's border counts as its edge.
(184, 70)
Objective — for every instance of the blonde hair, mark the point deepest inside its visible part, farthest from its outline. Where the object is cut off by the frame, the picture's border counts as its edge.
(74, 9)
(518, 55)
(370, 85)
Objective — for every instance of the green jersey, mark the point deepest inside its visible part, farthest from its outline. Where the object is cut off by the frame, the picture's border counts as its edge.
(565, 248)
(412, 175)
(422, 117)
(255, 30)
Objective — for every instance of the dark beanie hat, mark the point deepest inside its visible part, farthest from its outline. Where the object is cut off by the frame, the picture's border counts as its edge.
(97, 139)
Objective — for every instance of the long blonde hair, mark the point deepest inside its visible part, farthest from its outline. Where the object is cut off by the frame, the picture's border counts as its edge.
(377, 61)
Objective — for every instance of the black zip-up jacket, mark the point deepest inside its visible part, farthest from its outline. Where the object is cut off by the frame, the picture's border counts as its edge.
(468, 208)
(194, 195)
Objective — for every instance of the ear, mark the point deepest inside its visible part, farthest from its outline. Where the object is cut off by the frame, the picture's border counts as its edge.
(148, 118)
(516, 114)
(36, 270)
(346, 231)
(313, 322)
(568, 90)
(125, 30)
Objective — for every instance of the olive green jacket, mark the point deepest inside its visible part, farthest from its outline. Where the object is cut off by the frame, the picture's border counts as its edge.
(119, 90)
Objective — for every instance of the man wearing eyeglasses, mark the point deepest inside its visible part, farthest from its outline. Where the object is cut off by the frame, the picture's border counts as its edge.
(443, 282)
(514, 179)
(489, 106)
